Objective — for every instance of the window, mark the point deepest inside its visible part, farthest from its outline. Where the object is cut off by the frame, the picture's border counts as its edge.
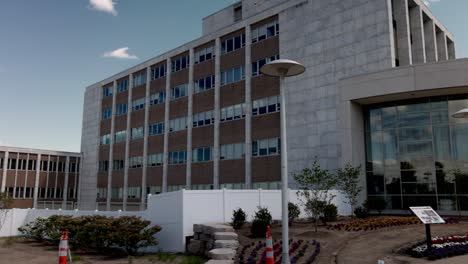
(118, 164)
(266, 105)
(135, 162)
(202, 154)
(105, 140)
(138, 104)
(177, 157)
(179, 91)
(22, 164)
(203, 119)
(180, 63)
(155, 160)
(101, 193)
(116, 193)
(232, 44)
(158, 98)
(122, 86)
(178, 124)
(265, 31)
(232, 112)
(158, 71)
(139, 78)
(121, 109)
(31, 165)
(103, 165)
(134, 192)
(238, 13)
(107, 91)
(106, 113)
(266, 147)
(137, 132)
(153, 189)
(1, 163)
(120, 136)
(258, 64)
(204, 84)
(156, 129)
(232, 151)
(204, 54)
(233, 75)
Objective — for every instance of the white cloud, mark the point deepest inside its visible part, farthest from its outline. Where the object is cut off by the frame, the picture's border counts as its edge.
(107, 6)
(121, 53)
(428, 2)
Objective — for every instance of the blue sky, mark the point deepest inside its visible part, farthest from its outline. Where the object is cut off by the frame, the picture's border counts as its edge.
(50, 50)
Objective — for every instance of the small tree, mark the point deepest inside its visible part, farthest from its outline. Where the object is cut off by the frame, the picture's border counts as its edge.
(261, 221)
(293, 212)
(315, 184)
(348, 181)
(238, 218)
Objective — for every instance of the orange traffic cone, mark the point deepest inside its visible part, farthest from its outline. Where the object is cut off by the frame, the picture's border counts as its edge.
(63, 248)
(270, 258)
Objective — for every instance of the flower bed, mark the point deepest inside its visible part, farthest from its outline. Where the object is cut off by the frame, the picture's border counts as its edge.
(379, 223)
(301, 251)
(442, 247)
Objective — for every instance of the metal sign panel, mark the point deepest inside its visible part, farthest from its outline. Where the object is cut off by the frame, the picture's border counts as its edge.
(427, 215)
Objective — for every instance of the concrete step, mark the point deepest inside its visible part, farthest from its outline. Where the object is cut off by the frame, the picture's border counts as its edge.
(233, 244)
(222, 254)
(215, 228)
(225, 236)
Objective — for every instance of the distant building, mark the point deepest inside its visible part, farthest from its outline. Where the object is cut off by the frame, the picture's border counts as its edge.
(36, 178)
(202, 116)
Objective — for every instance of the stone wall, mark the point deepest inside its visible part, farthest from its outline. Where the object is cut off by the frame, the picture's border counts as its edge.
(215, 241)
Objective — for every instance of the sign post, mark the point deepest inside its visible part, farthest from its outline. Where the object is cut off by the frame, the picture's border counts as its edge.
(428, 216)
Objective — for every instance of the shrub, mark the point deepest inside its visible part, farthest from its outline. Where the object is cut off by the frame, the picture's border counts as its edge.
(238, 218)
(293, 212)
(376, 203)
(260, 223)
(34, 230)
(361, 212)
(330, 213)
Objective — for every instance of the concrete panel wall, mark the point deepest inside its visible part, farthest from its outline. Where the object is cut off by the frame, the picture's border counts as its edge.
(344, 38)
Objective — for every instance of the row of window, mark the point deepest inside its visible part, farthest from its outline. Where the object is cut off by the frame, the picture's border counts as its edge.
(177, 157)
(122, 86)
(204, 84)
(139, 78)
(202, 154)
(158, 98)
(232, 151)
(138, 104)
(43, 193)
(265, 147)
(180, 63)
(135, 162)
(233, 75)
(204, 54)
(179, 91)
(121, 109)
(259, 107)
(138, 132)
(265, 31)
(23, 164)
(257, 65)
(233, 43)
(120, 136)
(158, 72)
(106, 113)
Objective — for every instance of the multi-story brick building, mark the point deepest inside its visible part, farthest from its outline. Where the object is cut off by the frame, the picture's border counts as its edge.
(202, 116)
(35, 178)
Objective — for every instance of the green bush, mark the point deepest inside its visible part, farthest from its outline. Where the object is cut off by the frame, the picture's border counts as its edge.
(238, 218)
(293, 212)
(94, 232)
(361, 212)
(260, 223)
(330, 213)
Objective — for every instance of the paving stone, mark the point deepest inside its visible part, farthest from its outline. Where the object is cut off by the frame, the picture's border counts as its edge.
(222, 254)
(234, 244)
(225, 236)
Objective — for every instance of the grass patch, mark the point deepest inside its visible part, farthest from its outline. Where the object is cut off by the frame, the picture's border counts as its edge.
(162, 256)
(8, 242)
(192, 260)
(77, 258)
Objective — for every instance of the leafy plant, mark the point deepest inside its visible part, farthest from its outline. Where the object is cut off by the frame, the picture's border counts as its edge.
(330, 213)
(261, 221)
(162, 256)
(238, 218)
(361, 212)
(348, 181)
(293, 212)
(315, 185)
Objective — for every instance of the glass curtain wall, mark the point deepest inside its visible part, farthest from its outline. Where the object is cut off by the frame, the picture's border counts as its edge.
(417, 154)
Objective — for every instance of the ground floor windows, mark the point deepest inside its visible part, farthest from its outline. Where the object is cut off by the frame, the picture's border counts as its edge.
(415, 153)
(232, 151)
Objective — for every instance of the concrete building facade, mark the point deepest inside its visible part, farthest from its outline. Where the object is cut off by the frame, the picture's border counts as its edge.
(35, 178)
(202, 116)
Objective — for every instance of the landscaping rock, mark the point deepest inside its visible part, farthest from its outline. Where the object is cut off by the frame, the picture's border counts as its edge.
(196, 247)
(233, 244)
(205, 237)
(225, 236)
(222, 254)
(220, 262)
(214, 228)
(197, 228)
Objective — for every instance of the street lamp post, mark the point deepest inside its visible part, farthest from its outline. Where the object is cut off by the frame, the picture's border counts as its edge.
(461, 114)
(283, 68)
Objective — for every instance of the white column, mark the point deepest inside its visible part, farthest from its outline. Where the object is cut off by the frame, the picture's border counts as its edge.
(451, 49)
(442, 51)
(75, 195)
(430, 39)
(248, 108)
(47, 177)
(166, 125)
(4, 172)
(26, 177)
(417, 32)
(111, 148)
(65, 184)
(127, 142)
(188, 172)
(216, 113)
(36, 180)
(144, 175)
(16, 175)
(400, 9)
(56, 177)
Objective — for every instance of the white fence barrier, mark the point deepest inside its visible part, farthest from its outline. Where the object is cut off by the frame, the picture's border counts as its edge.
(177, 212)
